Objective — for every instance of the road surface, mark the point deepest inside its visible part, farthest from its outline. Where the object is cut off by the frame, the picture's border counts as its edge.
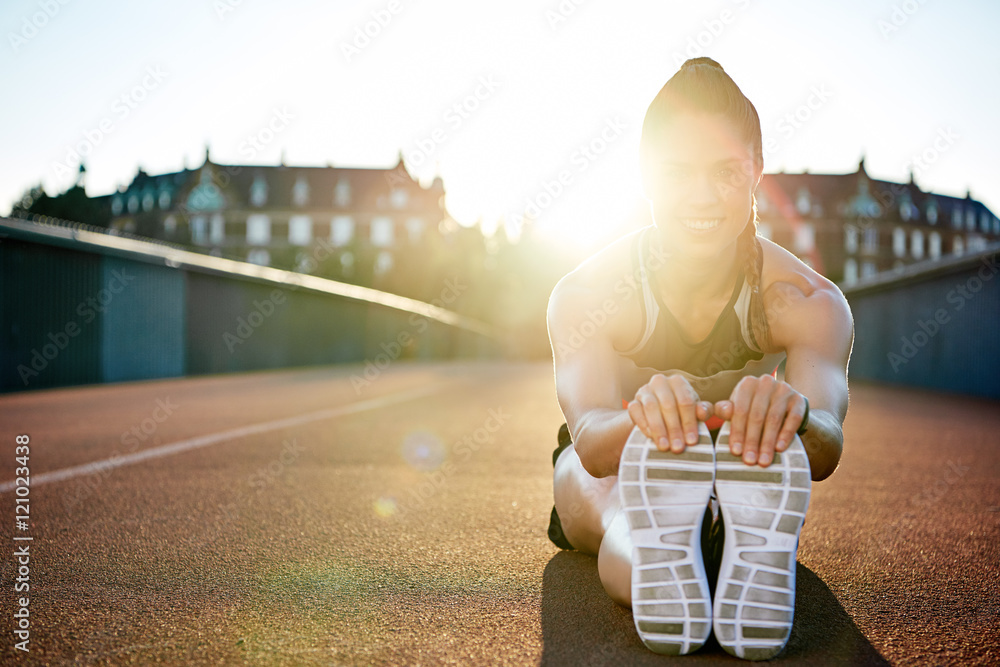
(324, 517)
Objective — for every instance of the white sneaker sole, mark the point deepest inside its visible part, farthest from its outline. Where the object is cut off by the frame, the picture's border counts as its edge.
(664, 496)
(763, 510)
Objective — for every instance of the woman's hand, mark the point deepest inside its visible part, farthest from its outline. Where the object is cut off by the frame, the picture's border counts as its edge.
(763, 415)
(667, 410)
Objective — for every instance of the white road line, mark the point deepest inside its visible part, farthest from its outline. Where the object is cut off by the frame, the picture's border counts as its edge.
(206, 440)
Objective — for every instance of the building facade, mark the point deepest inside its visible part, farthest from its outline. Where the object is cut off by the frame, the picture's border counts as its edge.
(272, 215)
(850, 226)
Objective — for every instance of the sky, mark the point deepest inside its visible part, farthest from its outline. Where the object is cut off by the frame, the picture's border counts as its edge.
(523, 106)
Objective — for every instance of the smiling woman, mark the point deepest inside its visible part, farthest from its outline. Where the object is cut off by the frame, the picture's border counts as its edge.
(706, 429)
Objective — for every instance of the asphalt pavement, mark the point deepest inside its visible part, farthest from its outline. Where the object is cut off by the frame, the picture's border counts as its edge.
(306, 517)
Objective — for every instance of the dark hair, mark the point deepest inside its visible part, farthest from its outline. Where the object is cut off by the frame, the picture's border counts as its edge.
(702, 86)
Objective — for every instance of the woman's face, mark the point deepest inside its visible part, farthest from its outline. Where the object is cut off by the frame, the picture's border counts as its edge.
(699, 177)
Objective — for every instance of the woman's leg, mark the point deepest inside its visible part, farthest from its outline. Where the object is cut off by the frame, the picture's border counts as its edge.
(590, 511)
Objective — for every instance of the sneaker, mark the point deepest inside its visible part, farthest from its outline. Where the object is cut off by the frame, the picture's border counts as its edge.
(664, 496)
(763, 510)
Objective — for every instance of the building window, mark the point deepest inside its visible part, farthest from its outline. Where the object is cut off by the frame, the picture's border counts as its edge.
(148, 201)
(917, 244)
(957, 245)
(258, 192)
(805, 237)
(996, 225)
(868, 269)
(399, 198)
(116, 205)
(956, 217)
(851, 241)
(382, 232)
(934, 245)
(898, 242)
(198, 231)
(217, 233)
(341, 230)
(133, 204)
(850, 271)
(383, 263)
(342, 194)
(170, 225)
(259, 256)
(258, 229)
(871, 240)
(300, 230)
(764, 230)
(415, 229)
(984, 221)
(802, 203)
(300, 192)
(932, 212)
(970, 219)
(164, 200)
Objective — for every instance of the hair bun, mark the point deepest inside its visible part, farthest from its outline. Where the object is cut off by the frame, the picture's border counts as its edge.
(691, 62)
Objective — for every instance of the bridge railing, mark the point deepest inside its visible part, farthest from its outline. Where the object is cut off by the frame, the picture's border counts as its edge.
(81, 306)
(933, 324)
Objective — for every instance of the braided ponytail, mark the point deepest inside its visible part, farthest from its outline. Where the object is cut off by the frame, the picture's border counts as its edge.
(749, 251)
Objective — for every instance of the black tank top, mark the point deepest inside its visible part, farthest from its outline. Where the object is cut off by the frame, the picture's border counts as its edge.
(664, 345)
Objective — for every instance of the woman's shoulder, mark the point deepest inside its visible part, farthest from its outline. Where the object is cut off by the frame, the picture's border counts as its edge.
(605, 268)
(792, 287)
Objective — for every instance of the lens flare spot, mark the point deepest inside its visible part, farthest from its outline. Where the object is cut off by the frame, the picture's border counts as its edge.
(385, 507)
(423, 451)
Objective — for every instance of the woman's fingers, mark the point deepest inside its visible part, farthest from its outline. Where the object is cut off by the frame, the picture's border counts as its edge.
(667, 410)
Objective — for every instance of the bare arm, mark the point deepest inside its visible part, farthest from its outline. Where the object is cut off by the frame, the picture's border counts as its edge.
(819, 344)
(817, 333)
(587, 382)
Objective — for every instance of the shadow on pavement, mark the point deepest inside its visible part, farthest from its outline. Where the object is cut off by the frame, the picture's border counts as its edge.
(581, 625)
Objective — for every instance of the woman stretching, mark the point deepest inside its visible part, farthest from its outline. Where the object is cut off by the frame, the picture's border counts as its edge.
(667, 345)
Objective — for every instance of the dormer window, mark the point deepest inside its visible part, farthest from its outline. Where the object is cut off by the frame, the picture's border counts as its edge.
(907, 210)
(148, 201)
(258, 192)
(116, 205)
(300, 192)
(342, 193)
(970, 219)
(932, 212)
(164, 199)
(984, 221)
(956, 217)
(133, 204)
